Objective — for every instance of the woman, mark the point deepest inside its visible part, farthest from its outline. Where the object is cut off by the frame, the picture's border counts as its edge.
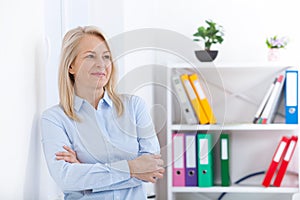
(113, 136)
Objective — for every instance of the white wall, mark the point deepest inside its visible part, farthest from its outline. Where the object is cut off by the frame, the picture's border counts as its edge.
(247, 23)
(21, 39)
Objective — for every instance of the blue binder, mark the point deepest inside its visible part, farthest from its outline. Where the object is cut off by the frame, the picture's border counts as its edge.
(291, 97)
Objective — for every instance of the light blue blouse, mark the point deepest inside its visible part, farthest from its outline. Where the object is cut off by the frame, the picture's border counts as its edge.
(103, 143)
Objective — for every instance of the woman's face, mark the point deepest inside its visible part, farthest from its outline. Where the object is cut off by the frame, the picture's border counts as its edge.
(92, 65)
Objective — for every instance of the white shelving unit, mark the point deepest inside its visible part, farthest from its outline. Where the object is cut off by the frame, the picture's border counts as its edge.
(235, 92)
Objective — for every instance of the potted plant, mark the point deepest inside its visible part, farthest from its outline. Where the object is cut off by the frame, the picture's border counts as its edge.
(212, 34)
(274, 44)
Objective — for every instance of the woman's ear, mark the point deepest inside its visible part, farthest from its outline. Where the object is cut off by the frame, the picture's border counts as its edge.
(71, 70)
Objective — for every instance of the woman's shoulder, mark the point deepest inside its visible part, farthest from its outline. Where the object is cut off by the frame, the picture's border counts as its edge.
(132, 99)
(53, 112)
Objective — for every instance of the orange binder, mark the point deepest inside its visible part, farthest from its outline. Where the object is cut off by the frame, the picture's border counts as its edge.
(277, 157)
(194, 100)
(202, 98)
(288, 155)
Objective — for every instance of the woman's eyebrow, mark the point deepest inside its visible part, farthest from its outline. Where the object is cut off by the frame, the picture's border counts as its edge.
(89, 51)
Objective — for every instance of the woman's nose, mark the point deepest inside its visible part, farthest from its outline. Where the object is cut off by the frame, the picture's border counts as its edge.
(101, 63)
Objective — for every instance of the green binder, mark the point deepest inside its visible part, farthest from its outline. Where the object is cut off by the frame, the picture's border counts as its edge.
(224, 156)
(205, 160)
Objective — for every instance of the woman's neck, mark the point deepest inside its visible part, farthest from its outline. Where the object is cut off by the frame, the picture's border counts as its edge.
(93, 96)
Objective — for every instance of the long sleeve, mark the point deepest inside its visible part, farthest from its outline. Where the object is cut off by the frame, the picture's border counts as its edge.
(104, 143)
(78, 177)
(148, 142)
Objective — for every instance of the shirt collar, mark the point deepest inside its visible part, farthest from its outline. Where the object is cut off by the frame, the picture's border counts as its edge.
(78, 101)
(107, 99)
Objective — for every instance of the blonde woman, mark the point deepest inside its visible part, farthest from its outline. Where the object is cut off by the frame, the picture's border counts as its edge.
(97, 144)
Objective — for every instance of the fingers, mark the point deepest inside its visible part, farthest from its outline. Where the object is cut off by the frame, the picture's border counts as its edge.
(158, 175)
(62, 153)
(152, 179)
(156, 156)
(69, 156)
(158, 159)
(67, 159)
(69, 149)
(161, 170)
(160, 162)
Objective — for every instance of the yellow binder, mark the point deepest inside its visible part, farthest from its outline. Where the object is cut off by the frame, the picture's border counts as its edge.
(202, 98)
(193, 99)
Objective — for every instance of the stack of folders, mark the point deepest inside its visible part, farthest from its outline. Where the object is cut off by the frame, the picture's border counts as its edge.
(193, 101)
(284, 85)
(193, 159)
(280, 161)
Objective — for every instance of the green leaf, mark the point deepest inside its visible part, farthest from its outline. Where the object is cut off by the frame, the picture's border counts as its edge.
(211, 35)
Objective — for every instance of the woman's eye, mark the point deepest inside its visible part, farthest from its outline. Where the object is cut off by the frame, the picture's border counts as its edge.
(90, 56)
(106, 57)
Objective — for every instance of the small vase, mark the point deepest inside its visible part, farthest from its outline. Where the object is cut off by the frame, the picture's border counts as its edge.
(206, 55)
(274, 54)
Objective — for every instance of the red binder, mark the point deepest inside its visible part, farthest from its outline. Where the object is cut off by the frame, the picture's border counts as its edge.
(288, 155)
(277, 157)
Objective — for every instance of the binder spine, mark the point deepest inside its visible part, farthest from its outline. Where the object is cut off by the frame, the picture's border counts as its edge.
(286, 160)
(191, 174)
(178, 159)
(277, 157)
(224, 155)
(205, 161)
(185, 105)
(291, 96)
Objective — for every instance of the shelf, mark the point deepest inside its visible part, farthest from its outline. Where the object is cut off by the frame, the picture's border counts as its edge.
(235, 127)
(236, 189)
(248, 142)
(185, 65)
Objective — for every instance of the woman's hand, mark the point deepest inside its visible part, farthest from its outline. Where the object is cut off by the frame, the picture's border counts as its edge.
(68, 156)
(147, 168)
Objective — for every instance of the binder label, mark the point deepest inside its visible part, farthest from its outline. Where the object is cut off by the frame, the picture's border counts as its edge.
(280, 151)
(190, 89)
(180, 91)
(224, 144)
(178, 150)
(203, 151)
(190, 152)
(199, 90)
(289, 152)
(291, 92)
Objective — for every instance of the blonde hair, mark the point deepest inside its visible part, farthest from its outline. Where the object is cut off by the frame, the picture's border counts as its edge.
(69, 51)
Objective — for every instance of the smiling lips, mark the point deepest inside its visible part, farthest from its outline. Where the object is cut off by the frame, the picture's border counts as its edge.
(99, 74)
